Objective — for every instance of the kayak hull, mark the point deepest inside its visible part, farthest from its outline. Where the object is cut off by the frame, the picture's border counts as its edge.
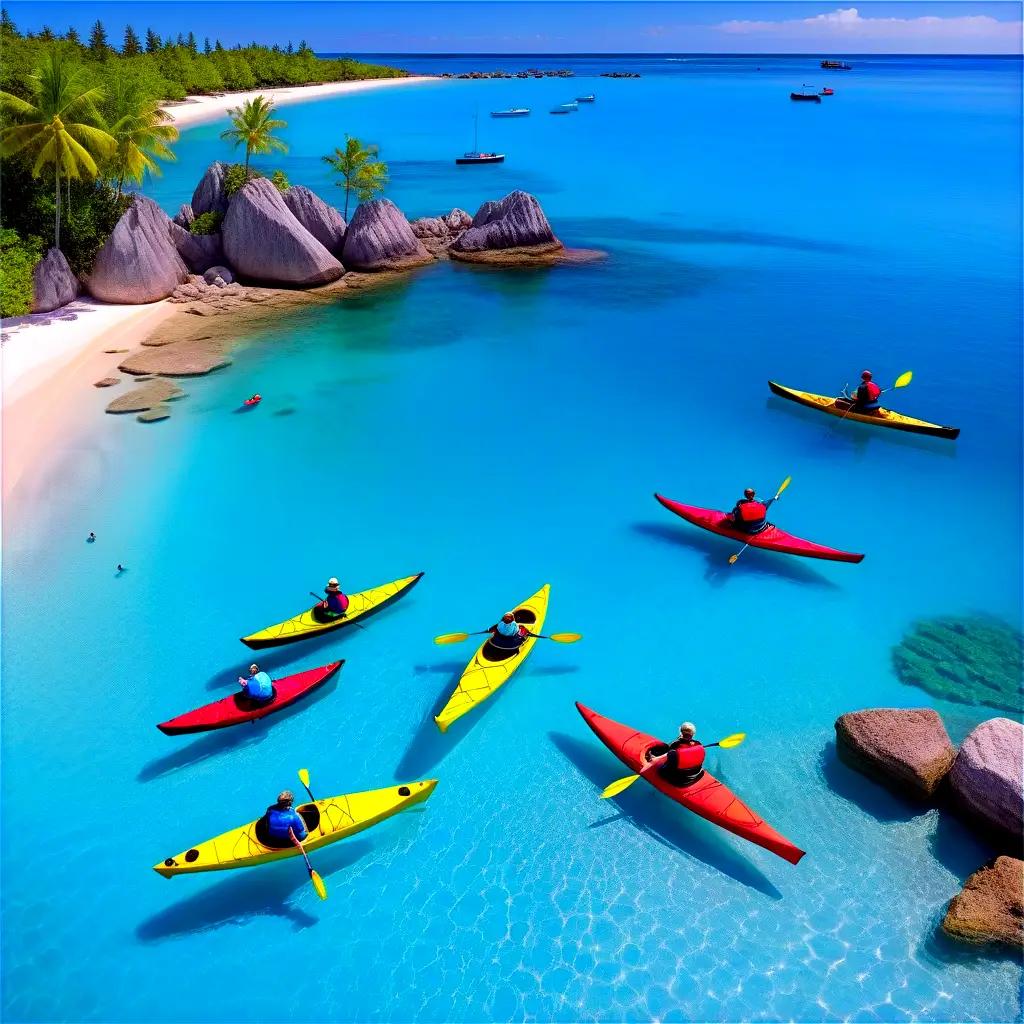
(707, 797)
(881, 418)
(238, 708)
(484, 675)
(306, 624)
(328, 821)
(771, 538)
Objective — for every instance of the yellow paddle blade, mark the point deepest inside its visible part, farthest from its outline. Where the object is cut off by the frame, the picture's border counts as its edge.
(618, 786)
(784, 485)
(734, 740)
(304, 776)
(565, 638)
(318, 884)
(732, 558)
(451, 638)
(904, 379)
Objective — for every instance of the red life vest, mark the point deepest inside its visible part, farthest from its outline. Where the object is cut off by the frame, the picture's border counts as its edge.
(751, 511)
(689, 755)
(869, 391)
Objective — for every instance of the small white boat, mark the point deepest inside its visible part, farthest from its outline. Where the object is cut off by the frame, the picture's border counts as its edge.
(511, 112)
(474, 156)
(565, 108)
(585, 99)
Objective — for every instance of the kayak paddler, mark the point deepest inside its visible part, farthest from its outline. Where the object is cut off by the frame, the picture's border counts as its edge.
(283, 822)
(337, 603)
(865, 398)
(507, 634)
(258, 687)
(749, 514)
(679, 762)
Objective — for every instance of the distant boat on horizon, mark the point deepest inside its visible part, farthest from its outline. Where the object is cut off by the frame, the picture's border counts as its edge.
(511, 112)
(806, 97)
(585, 99)
(475, 156)
(836, 65)
(565, 108)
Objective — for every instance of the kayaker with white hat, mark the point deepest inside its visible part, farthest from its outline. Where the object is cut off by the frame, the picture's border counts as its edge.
(258, 687)
(679, 762)
(337, 603)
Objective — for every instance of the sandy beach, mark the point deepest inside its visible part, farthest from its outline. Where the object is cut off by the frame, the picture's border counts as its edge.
(63, 351)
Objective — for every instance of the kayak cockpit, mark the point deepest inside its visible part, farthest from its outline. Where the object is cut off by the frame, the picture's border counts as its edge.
(491, 651)
(310, 815)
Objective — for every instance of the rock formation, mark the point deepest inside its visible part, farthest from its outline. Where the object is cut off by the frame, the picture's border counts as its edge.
(323, 222)
(990, 908)
(513, 231)
(986, 778)
(970, 660)
(152, 393)
(198, 251)
(221, 274)
(908, 750)
(264, 241)
(53, 283)
(380, 238)
(184, 216)
(138, 262)
(209, 194)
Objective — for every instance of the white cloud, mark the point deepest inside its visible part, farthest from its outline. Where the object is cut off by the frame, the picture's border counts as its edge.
(977, 33)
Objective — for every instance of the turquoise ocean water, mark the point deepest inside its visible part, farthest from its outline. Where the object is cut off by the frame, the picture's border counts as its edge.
(500, 430)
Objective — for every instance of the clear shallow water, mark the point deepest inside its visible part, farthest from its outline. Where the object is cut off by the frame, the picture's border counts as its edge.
(501, 430)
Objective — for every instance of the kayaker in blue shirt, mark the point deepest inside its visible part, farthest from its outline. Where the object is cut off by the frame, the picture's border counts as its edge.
(507, 634)
(283, 821)
(258, 687)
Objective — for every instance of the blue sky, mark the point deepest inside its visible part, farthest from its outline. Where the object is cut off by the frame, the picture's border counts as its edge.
(554, 26)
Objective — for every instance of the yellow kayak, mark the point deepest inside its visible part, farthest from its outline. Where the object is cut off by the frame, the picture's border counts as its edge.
(879, 418)
(310, 623)
(327, 820)
(492, 667)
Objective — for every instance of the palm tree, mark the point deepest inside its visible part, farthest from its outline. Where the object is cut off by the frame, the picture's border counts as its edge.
(360, 173)
(59, 126)
(142, 131)
(253, 124)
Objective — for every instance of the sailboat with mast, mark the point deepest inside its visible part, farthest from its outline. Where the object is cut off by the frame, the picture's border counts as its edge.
(475, 156)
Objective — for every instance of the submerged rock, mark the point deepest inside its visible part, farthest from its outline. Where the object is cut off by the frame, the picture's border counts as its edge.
(513, 230)
(138, 262)
(323, 222)
(264, 241)
(151, 394)
(209, 194)
(969, 660)
(158, 412)
(53, 283)
(990, 908)
(908, 750)
(986, 778)
(107, 382)
(380, 238)
(199, 252)
(191, 358)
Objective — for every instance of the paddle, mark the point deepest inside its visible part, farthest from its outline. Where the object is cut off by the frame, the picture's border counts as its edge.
(304, 779)
(778, 494)
(620, 784)
(901, 382)
(457, 638)
(318, 882)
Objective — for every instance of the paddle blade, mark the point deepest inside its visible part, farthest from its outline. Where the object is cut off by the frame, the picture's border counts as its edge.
(904, 379)
(565, 638)
(734, 740)
(451, 638)
(318, 884)
(733, 558)
(785, 483)
(304, 777)
(618, 786)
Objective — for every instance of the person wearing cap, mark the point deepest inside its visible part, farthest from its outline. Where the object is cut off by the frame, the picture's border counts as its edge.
(507, 634)
(258, 687)
(337, 603)
(283, 822)
(749, 514)
(865, 398)
(680, 762)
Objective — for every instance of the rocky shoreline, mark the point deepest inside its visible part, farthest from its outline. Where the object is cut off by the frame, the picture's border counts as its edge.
(910, 752)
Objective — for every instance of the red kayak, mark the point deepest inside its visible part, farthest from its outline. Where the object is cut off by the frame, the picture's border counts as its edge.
(238, 708)
(255, 400)
(707, 796)
(771, 538)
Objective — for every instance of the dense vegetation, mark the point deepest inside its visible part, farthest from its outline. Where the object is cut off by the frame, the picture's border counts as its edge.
(82, 119)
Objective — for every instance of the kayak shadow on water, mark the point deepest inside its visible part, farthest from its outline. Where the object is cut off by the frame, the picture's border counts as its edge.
(247, 893)
(657, 816)
(717, 550)
(219, 741)
(272, 660)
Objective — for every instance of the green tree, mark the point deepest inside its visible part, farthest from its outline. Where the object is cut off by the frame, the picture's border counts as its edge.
(253, 125)
(98, 45)
(359, 171)
(8, 30)
(46, 34)
(72, 36)
(132, 47)
(207, 48)
(193, 48)
(141, 129)
(18, 259)
(58, 128)
(152, 41)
